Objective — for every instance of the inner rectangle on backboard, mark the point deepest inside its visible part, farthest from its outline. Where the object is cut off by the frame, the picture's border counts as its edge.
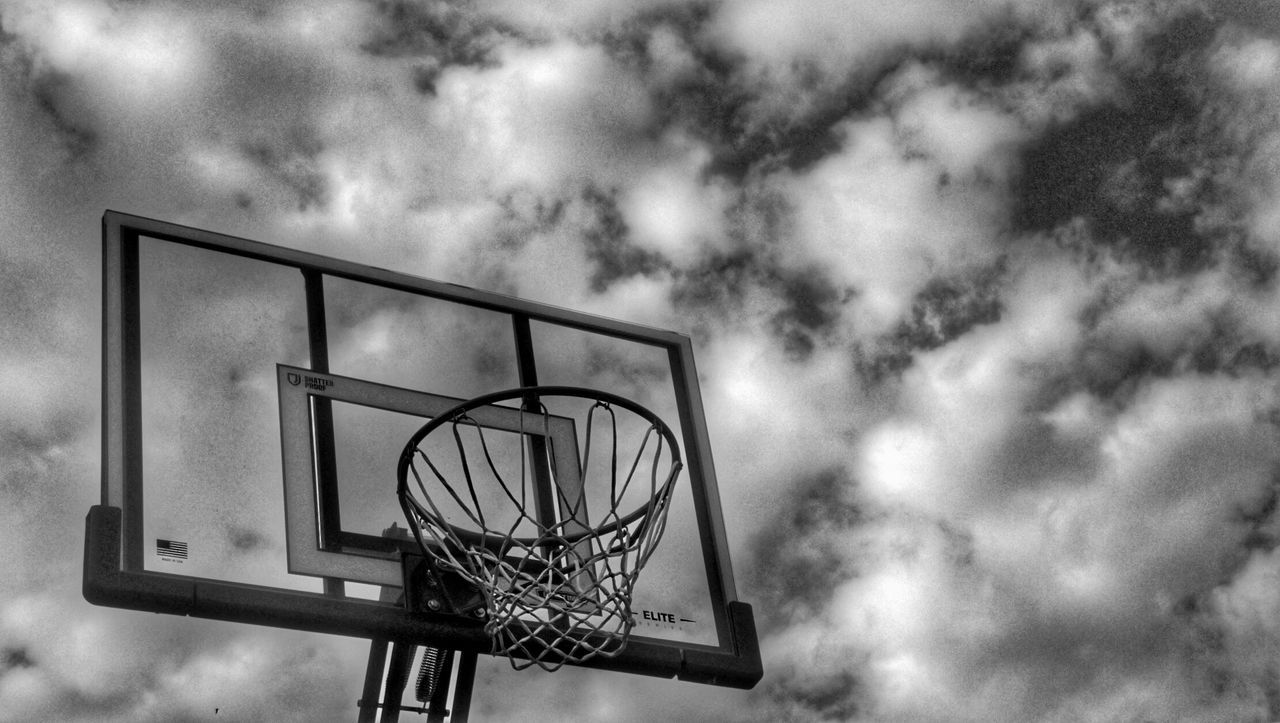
(376, 419)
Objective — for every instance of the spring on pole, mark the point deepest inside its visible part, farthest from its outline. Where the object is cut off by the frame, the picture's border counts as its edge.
(433, 660)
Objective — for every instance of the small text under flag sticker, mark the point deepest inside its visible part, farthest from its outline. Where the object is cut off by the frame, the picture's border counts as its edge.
(171, 549)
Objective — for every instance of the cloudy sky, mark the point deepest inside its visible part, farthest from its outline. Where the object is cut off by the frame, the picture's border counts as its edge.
(983, 294)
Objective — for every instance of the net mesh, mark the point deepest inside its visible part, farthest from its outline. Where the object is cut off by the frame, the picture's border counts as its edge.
(557, 586)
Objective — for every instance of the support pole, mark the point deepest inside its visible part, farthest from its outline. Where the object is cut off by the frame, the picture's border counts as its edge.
(322, 416)
(372, 681)
(462, 688)
(544, 497)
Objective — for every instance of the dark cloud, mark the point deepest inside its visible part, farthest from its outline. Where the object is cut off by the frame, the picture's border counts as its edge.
(834, 695)
(804, 307)
(450, 33)
(1087, 171)
(790, 143)
(1111, 166)
(54, 93)
(704, 95)
(946, 309)
(716, 285)
(69, 702)
(29, 293)
(1113, 362)
(291, 161)
(985, 57)
(437, 36)
(713, 97)
(51, 93)
(630, 38)
(608, 243)
(803, 552)
(757, 222)
(988, 56)
(811, 310)
(14, 657)
(524, 216)
(1206, 645)
(1259, 518)
(717, 96)
(28, 445)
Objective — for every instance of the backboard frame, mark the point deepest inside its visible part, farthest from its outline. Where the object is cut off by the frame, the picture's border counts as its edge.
(114, 572)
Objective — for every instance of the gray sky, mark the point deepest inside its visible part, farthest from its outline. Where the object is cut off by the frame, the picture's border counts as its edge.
(983, 296)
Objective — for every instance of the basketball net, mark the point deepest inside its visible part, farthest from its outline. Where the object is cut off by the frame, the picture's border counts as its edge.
(563, 594)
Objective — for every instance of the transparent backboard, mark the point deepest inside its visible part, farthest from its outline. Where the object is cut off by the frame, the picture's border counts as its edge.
(257, 400)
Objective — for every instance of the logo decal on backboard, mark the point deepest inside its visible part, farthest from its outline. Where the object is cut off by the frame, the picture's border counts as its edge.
(661, 619)
(317, 383)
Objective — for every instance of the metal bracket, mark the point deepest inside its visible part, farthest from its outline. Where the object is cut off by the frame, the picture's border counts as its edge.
(430, 588)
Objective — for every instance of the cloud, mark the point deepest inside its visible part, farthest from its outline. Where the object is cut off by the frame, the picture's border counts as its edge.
(781, 38)
(986, 529)
(1009, 436)
(672, 211)
(101, 667)
(841, 237)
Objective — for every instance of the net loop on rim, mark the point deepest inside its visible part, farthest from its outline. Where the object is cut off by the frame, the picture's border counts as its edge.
(557, 586)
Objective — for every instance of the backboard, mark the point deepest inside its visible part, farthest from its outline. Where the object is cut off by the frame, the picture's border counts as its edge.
(257, 400)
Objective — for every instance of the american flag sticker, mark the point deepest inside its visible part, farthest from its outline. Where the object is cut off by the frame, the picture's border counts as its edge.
(171, 549)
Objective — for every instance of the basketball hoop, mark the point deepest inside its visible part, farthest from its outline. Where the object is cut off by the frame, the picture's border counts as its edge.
(556, 585)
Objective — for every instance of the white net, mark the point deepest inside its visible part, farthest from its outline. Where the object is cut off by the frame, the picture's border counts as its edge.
(554, 541)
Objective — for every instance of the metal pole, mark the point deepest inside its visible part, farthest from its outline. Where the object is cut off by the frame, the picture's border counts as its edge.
(462, 687)
(544, 498)
(372, 681)
(322, 415)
